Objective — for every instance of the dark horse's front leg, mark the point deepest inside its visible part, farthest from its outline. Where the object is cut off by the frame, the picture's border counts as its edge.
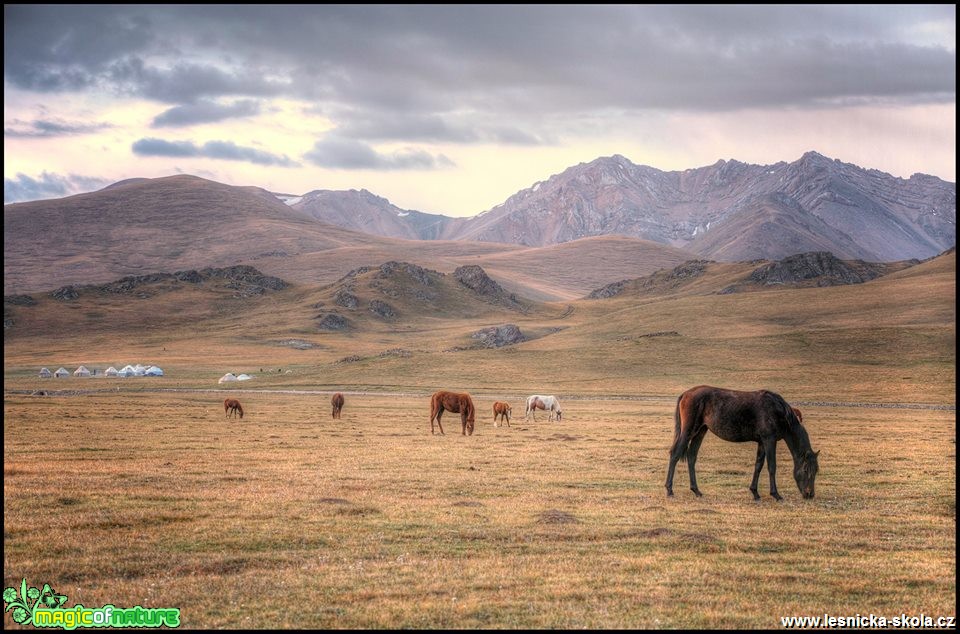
(756, 472)
(770, 448)
(692, 459)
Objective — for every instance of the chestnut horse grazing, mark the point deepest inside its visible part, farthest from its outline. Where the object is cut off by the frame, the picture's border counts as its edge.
(455, 402)
(762, 417)
(337, 401)
(232, 406)
(502, 410)
(549, 403)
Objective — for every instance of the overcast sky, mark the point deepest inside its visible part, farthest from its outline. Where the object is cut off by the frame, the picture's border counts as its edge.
(449, 109)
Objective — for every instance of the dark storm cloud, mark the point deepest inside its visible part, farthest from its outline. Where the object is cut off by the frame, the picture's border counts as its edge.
(438, 66)
(336, 152)
(51, 128)
(204, 112)
(47, 185)
(224, 150)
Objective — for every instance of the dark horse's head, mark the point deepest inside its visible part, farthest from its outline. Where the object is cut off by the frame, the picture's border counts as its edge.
(805, 469)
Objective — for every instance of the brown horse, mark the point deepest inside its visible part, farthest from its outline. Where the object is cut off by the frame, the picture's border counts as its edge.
(337, 402)
(762, 417)
(502, 410)
(454, 402)
(232, 406)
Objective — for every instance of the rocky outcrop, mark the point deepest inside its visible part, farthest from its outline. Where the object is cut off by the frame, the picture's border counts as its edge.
(382, 309)
(477, 280)
(499, 336)
(332, 321)
(822, 268)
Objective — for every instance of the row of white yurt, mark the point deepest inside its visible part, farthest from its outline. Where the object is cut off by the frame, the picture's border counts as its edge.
(82, 371)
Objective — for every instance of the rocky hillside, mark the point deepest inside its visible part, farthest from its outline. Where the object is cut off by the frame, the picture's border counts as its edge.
(733, 211)
(366, 212)
(798, 271)
(398, 291)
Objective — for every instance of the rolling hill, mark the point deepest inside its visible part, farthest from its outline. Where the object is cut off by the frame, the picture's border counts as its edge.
(888, 339)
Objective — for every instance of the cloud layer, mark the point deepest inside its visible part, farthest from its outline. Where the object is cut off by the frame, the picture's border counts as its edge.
(224, 150)
(450, 70)
(47, 185)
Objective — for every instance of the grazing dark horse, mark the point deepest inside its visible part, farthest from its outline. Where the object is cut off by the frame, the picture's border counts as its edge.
(502, 410)
(232, 406)
(455, 402)
(337, 401)
(762, 417)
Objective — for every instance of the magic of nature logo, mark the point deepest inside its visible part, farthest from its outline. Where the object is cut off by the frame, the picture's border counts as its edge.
(44, 607)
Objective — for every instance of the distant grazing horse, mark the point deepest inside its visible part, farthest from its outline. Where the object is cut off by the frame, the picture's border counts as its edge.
(452, 401)
(548, 403)
(502, 410)
(337, 402)
(762, 417)
(232, 406)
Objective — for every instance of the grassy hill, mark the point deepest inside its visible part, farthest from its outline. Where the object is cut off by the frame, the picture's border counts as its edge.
(889, 339)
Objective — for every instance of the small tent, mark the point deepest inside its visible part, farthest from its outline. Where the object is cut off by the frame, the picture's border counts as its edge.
(81, 371)
(229, 376)
(244, 377)
(62, 372)
(111, 371)
(45, 373)
(127, 371)
(153, 371)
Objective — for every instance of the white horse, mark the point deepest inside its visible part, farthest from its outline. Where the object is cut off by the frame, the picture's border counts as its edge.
(549, 403)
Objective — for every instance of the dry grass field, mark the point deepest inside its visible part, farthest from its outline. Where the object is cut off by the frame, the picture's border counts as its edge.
(289, 519)
(140, 492)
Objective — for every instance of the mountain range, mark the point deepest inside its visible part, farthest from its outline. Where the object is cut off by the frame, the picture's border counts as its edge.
(593, 224)
(726, 211)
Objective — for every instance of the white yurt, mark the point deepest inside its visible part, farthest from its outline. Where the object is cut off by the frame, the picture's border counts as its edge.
(62, 372)
(244, 377)
(81, 371)
(229, 376)
(45, 373)
(111, 371)
(153, 371)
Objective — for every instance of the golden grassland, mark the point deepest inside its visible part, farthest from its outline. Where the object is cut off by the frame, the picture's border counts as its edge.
(289, 519)
(140, 492)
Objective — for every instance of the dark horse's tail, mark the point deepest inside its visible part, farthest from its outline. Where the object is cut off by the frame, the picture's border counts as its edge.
(240, 410)
(680, 443)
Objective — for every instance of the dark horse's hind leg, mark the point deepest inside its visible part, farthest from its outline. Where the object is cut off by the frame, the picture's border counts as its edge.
(692, 459)
(439, 414)
(677, 453)
(756, 472)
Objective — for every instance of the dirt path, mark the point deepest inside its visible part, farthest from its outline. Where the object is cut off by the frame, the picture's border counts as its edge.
(566, 397)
